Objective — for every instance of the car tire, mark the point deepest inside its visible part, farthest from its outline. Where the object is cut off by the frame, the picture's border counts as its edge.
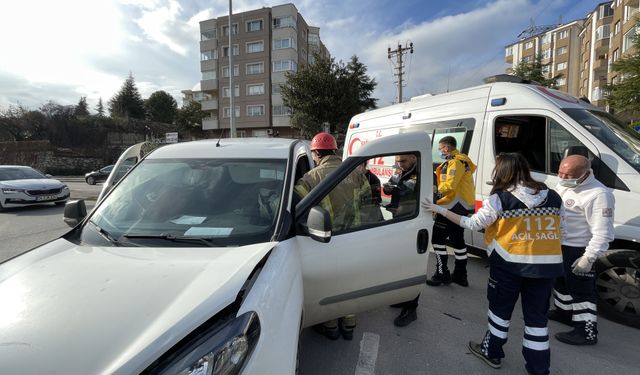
(91, 180)
(618, 286)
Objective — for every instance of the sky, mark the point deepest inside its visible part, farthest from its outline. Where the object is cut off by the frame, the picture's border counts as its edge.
(67, 49)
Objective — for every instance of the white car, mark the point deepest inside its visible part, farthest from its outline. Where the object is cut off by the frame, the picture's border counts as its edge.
(22, 186)
(196, 262)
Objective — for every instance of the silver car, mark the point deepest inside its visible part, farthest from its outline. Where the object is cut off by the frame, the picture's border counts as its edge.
(22, 186)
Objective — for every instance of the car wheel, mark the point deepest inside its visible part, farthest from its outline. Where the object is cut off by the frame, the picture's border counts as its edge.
(91, 180)
(618, 286)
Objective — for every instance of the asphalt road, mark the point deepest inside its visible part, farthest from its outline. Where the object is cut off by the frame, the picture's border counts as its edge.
(448, 317)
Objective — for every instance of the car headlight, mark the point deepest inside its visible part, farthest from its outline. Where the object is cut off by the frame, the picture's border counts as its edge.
(219, 350)
(12, 191)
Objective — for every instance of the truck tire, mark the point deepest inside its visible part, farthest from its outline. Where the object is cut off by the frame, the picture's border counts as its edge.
(618, 286)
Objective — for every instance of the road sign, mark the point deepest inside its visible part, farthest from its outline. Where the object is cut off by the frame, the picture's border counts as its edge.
(171, 137)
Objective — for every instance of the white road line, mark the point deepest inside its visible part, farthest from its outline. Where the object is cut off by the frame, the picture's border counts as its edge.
(368, 354)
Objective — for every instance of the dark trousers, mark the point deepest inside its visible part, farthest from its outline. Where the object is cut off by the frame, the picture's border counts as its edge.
(444, 229)
(503, 291)
(574, 294)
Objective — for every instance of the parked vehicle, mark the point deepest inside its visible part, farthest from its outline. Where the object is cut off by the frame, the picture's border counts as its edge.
(100, 175)
(198, 261)
(22, 186)
(544, 125)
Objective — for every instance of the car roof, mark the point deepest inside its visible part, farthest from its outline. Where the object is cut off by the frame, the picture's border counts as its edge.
(16, 166)
(237, 148)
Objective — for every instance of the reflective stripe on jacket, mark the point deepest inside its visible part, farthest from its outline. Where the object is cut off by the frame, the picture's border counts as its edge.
(527, 239)
(455, 181)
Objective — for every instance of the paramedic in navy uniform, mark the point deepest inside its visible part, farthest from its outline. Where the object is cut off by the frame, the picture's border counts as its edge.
(523, 221)
(589, 218)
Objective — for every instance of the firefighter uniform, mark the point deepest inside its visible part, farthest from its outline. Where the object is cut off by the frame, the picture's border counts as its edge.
(525, 256)
(589, 211)
(456, 192)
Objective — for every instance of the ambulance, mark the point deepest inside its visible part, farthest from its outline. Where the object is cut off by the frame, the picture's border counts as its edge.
(508, 115)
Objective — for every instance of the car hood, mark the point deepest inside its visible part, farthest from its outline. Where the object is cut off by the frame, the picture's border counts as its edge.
(32, 184)
(69, 309)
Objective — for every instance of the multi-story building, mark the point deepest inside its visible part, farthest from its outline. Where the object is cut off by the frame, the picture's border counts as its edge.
(559, 49)
(595, 41)
(624, 25)
(265, 43)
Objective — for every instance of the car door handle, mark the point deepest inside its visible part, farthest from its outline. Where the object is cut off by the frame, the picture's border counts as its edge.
(423, 241)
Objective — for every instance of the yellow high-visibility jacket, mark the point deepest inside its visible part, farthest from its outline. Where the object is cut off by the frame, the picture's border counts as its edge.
(455, 181)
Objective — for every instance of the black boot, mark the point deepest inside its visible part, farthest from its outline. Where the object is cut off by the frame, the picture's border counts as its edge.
(560, 316)
(582, 334)
(460, 272)
(332, 333)
(346, 330)
(476, 349)
(439, 279)
(407, 315)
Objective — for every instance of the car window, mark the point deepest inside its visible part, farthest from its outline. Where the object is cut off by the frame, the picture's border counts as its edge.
(9, 173)
(230, 202)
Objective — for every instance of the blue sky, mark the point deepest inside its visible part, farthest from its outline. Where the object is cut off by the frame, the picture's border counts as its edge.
(62, 50)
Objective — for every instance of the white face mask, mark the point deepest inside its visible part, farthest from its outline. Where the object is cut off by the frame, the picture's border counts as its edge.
(572, 182)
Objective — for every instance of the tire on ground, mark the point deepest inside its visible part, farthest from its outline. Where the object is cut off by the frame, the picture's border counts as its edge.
(618, 286)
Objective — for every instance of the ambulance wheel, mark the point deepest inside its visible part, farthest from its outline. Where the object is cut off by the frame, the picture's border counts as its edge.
(618, 286)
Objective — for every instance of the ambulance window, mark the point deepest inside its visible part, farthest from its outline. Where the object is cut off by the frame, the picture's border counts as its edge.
(523, 134)
(462, 141)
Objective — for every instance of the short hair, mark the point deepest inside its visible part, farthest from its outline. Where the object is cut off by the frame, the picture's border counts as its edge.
(449, 141)
(323, 153)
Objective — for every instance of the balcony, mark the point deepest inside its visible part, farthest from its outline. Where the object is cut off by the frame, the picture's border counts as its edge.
(601, 64)
(210, 123)
(209, 85)
(206, 45)
(602, 44)
(209, 105)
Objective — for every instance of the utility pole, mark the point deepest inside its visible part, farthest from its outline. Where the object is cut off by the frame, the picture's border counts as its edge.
(398, 53)
(232, 110)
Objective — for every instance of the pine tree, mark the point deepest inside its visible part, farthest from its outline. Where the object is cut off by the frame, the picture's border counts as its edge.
(82, 109)
(161, 107)
(127, 102)
(100, 108)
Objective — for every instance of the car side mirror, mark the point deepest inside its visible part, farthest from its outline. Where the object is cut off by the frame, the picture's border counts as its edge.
(319, 224)
(74, 212)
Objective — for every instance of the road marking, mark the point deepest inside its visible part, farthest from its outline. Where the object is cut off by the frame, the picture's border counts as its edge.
(368, 354)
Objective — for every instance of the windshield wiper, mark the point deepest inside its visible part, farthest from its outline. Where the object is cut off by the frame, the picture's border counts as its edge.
(170, 237)
(105, 234)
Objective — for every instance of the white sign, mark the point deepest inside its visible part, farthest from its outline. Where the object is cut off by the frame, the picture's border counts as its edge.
(171, 137)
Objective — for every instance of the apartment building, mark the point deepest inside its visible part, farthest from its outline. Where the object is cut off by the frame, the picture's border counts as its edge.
(265, 44)
(559, 48)
(624, 25)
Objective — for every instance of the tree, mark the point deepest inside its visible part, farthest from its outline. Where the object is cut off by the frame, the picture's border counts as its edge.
(190, 116)
(127, 102)
(326, 92)
(533, 71)
(82, 109)
(161, 107)
(624, 96)
(100, 108)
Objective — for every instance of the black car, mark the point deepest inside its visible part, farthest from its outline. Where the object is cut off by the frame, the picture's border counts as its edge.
(98, 176)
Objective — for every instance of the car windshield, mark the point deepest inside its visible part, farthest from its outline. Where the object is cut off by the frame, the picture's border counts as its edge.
(227, 202)
(9, 173)
(610, 131)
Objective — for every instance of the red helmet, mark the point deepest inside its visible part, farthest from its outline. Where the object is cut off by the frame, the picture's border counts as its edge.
(323, 141)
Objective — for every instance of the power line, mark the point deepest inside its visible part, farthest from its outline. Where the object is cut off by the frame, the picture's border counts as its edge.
(398, 53)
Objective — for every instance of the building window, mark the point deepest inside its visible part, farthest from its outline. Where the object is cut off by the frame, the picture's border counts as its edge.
(225, 71)
(284, 65)
(616, 55)
(630, 11)
(255, 68)
(255, 89)
(546, 53)
(616, 28)
(546, 38)
(561, 81)
(286, 21)
(225, 50)
(254, 25)
(208, 34)
(236, 91)
(314, 40)
(226, 112)
(208, 74)
(545, 69)
(563, 34)
(508, 51)
(284, 43)
(234, 29)
(528, 45)
(280, 110)
(209, 55)
(255, 110)
(276, 88)
(561, 66)
(561, 51)
(605, 11)
(527, 59)
(627, 39)
(253, 47)
(603, 32)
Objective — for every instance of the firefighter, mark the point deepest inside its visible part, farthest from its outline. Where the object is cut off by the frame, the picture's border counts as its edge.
(343, 204)
(456, 192)
(589, 208)
(524, 221)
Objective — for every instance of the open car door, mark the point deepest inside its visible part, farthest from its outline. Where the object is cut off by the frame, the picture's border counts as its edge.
(378, 261)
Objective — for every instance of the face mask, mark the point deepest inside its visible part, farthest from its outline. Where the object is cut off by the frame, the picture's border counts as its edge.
(443, 155)
(571, 182)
